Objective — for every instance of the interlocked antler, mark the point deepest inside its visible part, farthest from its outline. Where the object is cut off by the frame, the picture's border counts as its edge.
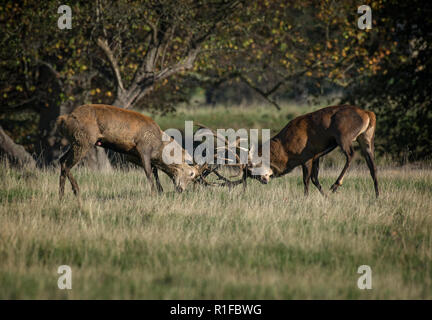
(228, 147)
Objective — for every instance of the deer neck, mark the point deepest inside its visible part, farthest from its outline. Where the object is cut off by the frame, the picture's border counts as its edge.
(172, 168)
(278, 157)
(168, 169)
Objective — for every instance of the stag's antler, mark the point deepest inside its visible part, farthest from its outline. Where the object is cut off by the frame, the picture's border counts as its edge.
(228, 147)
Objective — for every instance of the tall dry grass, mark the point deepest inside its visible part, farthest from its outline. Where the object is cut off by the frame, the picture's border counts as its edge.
(269, 242)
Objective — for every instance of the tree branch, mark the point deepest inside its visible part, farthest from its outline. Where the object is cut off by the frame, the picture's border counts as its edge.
(167, 43)
(186, 64)
(265, 95)
(51, 68)
(103, 44)
(22, 106)
(146, 74)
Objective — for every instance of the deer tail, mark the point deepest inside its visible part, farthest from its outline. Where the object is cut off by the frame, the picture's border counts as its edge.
(372, 119)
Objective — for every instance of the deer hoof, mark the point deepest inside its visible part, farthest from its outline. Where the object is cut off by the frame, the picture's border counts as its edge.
(334, 187)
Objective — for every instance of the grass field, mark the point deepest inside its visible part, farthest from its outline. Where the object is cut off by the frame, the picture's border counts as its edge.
(235, 117)
(269, 242)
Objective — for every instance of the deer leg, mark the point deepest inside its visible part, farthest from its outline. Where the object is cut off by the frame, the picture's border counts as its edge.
(146, 164)
(70, 159)
(201, 180)
(314, 175)
(140, 162)
(244, 178)
(63, 171)
(347, 149)
(315, 167)
(156, 176)
(307, 171)
(366, 147)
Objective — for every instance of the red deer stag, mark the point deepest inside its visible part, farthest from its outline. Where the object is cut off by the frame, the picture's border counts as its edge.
(124, 131)
(305, 139)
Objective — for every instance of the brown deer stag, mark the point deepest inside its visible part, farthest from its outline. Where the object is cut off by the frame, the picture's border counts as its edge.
(305, 139)
(128, 132)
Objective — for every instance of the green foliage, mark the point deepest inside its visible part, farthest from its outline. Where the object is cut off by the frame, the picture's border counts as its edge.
(273, 48)
(399, 91)
(275, 45)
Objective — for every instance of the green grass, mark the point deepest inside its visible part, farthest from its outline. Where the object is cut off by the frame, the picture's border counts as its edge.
(235, 117)
(270, 242)
(211, 243)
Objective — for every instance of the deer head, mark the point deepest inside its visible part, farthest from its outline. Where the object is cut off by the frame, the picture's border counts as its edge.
(258, 169)
(182, 171)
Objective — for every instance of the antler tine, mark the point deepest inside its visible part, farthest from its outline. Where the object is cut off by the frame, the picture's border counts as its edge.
(240, 139)
(226, 159)
(215, 134)
(221, 177)
(208, 184)
(226, 182)
(239, 172)
(202, 168)
(229, 150)
(226, 146)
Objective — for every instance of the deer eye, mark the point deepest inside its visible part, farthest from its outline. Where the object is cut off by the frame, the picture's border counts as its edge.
(192, 174)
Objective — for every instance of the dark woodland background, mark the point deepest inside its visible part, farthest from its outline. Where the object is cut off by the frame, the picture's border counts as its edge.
(154, 55)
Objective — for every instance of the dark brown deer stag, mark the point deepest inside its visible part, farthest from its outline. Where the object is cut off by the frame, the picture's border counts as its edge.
(124, 131)
(305, 139)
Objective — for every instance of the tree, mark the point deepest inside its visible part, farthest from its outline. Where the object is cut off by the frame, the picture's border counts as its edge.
(43, 70)
(148, 54)
(159, 40)
(399, 88)
(276, 43)
(115, 46)
(16, 153)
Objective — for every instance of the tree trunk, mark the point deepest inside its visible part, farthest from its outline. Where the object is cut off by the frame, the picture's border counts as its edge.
(15, 152)
(97, 159)
(49, 145)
